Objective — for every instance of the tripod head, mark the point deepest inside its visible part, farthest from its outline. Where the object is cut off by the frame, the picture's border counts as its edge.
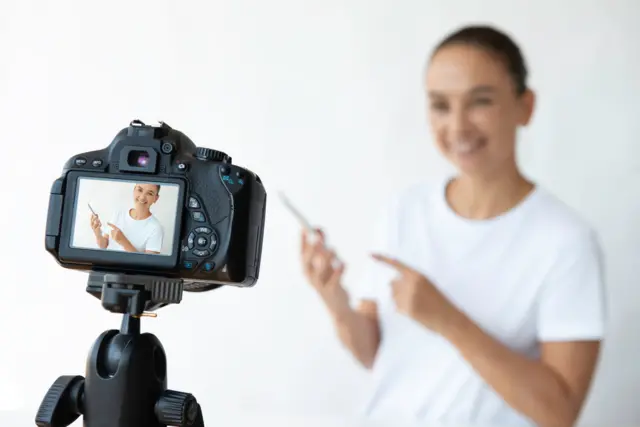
(126, 375)
(133, 295)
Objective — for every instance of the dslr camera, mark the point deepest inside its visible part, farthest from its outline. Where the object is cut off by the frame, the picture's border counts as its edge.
(149, 216)
(152, 203)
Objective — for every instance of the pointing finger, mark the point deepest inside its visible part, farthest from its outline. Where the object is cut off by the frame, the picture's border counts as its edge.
(392, 262)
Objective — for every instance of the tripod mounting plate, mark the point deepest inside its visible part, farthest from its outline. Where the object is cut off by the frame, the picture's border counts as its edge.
(134, 294)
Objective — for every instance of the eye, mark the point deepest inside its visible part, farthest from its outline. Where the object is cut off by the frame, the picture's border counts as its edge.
(439, 106)
(483, 101)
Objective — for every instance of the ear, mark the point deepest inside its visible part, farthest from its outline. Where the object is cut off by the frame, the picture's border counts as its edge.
(527, 107)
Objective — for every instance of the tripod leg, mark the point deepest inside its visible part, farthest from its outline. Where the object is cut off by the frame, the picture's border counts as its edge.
(63, 403)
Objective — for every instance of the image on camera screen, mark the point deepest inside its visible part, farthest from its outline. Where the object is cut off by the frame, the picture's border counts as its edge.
(126, 216)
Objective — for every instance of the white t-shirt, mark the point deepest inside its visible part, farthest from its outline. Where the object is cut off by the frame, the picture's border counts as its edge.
(533, 274)
(145, 235)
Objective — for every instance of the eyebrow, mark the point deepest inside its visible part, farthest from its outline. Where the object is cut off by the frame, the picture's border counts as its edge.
(475, 90)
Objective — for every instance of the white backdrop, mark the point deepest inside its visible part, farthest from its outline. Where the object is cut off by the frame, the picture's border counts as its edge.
(108, 197)
(324, 100)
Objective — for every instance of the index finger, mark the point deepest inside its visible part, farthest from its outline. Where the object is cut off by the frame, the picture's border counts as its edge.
(392, 262)
(112, 226)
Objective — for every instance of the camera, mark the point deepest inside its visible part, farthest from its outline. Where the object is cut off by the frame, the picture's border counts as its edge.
(154, 204)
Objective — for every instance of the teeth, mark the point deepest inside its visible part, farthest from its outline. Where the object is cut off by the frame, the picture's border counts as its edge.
(465, 147)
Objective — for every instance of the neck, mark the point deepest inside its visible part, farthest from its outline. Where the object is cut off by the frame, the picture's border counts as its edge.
(484, 197)
(139, 214)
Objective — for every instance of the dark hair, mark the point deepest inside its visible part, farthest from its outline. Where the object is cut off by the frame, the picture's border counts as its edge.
(496, 42)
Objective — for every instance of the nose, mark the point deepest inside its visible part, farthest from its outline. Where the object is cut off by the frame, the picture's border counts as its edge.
(459, 123)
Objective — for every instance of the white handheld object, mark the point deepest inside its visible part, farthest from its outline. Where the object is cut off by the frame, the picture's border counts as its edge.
(104, 229)
(304, 222)
(296, 213)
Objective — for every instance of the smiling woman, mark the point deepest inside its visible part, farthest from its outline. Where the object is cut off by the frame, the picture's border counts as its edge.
(133, 230)
(484, 301)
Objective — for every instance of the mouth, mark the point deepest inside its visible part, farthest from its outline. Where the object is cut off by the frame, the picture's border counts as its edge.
(467, 147)
(142, 202)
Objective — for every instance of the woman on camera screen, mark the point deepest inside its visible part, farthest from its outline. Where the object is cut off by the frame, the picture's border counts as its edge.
(135, 229)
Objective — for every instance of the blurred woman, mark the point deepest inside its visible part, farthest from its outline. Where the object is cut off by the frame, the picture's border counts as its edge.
(484, 300)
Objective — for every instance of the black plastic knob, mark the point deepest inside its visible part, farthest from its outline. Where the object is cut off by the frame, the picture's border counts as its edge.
(209, 154)
(175, 408)
(62, 404)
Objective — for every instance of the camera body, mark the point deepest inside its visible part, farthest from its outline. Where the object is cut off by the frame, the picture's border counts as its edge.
(154, 204)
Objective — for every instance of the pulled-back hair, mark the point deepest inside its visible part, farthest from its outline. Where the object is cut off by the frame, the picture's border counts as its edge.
(495, 42)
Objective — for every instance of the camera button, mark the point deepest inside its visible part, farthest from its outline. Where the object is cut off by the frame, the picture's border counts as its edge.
(96, 163)
(208, 266)
(198, 216)
(202, 241)
(199, 253)
(191, 239)
(193, 203)
(81, 161)
(189, 265)
(204, 230)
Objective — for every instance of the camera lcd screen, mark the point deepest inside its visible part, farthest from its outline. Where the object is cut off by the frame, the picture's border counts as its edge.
(127, 216)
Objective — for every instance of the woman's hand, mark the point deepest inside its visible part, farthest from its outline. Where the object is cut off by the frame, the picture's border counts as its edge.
(118, 236)
(324, 271)
(416, 297)
(95, 224)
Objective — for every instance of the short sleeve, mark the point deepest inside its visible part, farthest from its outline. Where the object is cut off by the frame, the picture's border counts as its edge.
(154, 243)
(573, 301)
(374, 282)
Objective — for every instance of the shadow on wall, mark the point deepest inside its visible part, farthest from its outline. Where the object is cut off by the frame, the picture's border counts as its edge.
(617, 383)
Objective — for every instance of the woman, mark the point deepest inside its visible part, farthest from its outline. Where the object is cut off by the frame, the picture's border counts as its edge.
(134, 230)
(484, 300)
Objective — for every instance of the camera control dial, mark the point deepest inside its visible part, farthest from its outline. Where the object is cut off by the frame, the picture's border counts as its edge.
(211, 155)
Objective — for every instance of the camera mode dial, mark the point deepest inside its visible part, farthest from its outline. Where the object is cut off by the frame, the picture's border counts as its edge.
(209, 154)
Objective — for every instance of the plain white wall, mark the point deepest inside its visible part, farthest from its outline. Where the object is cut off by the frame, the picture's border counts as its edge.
(324, 100)
(107, 197)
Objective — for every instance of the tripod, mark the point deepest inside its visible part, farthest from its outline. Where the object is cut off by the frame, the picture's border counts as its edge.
(126, 371)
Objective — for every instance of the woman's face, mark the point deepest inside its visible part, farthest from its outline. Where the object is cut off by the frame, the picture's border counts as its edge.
(145, 195)
(474, 110)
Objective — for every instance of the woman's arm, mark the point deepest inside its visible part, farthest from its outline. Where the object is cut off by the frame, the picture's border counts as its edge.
(101, 240)
(359, 332)
(118, 236)
(550, 391)
(126, 244)
(357, 329)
